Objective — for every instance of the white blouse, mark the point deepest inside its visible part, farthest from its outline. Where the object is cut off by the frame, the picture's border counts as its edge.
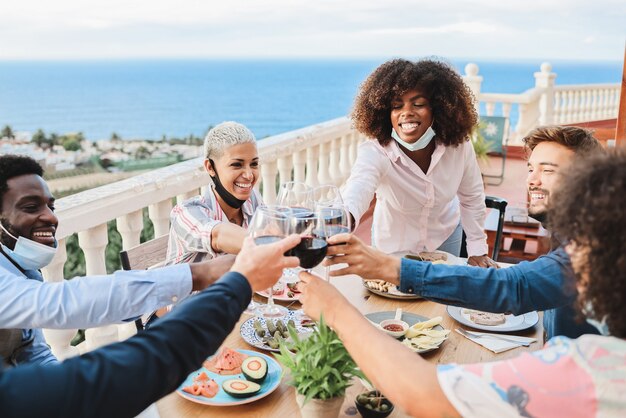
(416, 211)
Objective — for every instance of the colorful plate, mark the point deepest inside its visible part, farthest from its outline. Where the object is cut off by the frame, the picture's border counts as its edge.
(249, 334)
(512, 323)
(271, 382)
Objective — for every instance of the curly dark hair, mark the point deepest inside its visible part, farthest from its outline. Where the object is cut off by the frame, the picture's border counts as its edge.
(579, 140)
(16, 165)
(451, 100)
(588, 211)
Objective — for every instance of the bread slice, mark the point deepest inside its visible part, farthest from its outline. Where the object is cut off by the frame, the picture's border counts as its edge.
(487, 318)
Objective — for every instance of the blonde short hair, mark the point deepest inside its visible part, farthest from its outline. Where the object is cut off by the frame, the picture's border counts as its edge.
(225, 135)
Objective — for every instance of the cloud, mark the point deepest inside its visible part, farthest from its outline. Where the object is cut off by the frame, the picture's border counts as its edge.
(462, 27)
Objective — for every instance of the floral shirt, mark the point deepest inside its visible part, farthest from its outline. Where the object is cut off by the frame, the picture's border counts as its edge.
(585, 377)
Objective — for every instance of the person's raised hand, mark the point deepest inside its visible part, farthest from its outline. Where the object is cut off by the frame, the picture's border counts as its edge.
(363, 260)
(263, 264)
(482, 261)
(320, 297)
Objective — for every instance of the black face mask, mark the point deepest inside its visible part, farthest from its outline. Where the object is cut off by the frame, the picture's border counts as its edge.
(230, 200)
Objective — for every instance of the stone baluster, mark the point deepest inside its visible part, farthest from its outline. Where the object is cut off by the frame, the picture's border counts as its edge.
(129, 226)
(185, 196)
(311, 166)
(570, 107)
(473, 81)
(354, 146)
(323, 170)
(299, 164)
(93, 242)
(59, 339)
(284, 164)
(545, 80)
(576, 114)
(159, 214)
(506, 110)
(490, 107)
(594, 105)
(334, 169)
(268, 174)
(558, 107)
(344, 157)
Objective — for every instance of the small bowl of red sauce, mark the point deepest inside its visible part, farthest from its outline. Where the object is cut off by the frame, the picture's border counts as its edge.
(394, 327)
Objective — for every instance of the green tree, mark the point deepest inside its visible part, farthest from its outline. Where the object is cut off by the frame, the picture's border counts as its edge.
(54, 139)
(7, 132)
(115, 137)
(142, 153)
(40, 139)
(71, 143)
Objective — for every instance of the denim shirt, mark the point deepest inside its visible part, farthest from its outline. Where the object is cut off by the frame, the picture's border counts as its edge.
(544, 284)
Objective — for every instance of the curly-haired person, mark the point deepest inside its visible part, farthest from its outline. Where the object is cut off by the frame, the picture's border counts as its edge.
(419, 162)
(582, 377)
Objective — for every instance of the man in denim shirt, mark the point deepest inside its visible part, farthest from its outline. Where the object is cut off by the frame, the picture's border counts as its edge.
(542, 284)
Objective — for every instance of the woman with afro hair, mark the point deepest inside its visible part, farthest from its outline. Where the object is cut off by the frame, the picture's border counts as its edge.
(419, 161)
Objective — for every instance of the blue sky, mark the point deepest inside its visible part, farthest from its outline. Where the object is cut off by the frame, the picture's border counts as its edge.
(478, 29)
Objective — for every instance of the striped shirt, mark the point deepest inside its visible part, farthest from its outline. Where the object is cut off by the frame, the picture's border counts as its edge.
(192, 222)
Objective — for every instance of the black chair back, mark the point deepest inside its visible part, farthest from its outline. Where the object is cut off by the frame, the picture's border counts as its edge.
(491, 202)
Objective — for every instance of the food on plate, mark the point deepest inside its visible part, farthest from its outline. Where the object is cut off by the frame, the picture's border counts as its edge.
(393, 327)
(433, 256)
(203, 385)
(240, 388)
(227, 362)
(254, 368)
(273, 332)
(380, 285)
(422, 336)
(486, 318)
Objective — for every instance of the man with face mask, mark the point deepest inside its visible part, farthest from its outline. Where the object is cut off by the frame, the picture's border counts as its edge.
(27, 243)
(525, 287)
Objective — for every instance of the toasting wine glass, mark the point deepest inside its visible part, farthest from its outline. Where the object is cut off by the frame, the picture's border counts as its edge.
(327, 195)
(332, 220)
(298, 197)
(268, 225)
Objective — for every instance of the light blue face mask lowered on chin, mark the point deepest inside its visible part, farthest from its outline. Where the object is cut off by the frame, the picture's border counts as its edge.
(420, 143)
(30, 255)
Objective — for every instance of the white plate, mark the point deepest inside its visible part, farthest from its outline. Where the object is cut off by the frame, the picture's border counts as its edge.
(409, 318)
(393, 293)
(512, 323)
(271, 382)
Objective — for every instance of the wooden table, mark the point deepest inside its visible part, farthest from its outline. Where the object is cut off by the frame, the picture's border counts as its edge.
(281, 403)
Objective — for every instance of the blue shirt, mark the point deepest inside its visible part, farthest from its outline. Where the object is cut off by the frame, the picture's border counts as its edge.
(83, 302)
(544, 284)
(122, 379)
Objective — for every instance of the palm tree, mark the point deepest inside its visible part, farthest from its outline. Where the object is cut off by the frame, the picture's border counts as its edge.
(7, 132)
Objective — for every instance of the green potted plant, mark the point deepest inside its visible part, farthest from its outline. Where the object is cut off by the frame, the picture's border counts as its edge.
(481, 146)
(321, 370)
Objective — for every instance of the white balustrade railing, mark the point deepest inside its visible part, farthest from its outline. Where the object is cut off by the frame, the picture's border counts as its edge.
(317, 154)
(585, 102)
(546, 103)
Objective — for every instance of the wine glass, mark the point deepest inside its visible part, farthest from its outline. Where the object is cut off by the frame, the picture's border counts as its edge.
(327, 195)
(332, 220)
(298, 197)
(270, 224)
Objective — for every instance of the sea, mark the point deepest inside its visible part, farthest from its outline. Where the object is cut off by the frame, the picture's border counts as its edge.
(152, 99)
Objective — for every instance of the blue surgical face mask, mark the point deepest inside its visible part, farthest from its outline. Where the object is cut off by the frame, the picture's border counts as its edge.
(28, 254)
(420, 143)
(601, 326)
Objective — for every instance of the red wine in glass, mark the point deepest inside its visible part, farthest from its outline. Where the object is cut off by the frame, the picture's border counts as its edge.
(311, 251)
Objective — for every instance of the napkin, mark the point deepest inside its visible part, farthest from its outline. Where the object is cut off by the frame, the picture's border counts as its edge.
(493, 343)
